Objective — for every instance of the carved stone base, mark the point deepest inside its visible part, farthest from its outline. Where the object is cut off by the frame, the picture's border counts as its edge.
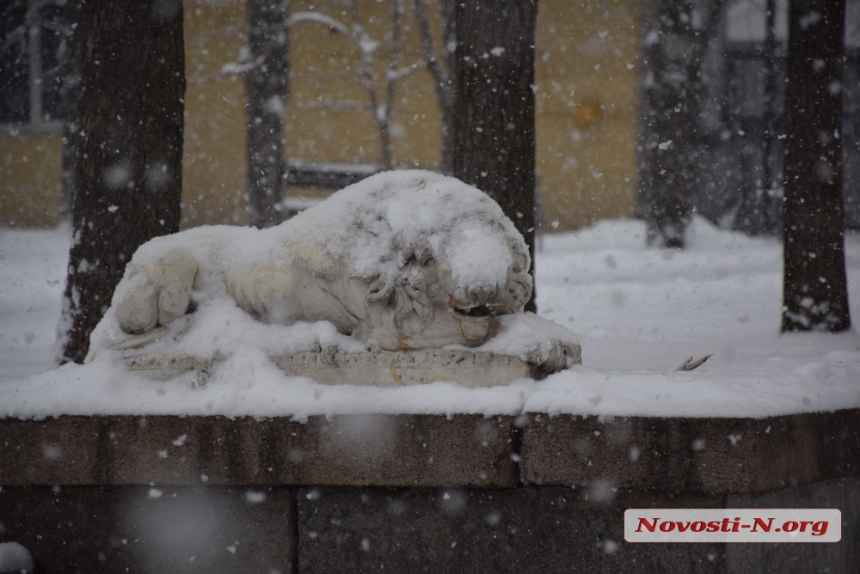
(379, 368)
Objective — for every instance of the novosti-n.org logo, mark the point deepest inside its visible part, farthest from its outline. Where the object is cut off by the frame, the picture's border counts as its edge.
(732, 525)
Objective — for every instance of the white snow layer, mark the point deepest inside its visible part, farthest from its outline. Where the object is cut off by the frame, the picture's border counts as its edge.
(639, 313)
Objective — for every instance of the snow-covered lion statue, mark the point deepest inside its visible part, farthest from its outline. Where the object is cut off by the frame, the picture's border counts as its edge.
(402, 260)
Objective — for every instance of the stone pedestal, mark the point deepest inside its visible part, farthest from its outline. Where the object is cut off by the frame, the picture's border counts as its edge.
(405, 493)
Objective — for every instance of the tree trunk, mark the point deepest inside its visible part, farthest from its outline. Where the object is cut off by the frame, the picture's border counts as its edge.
(494, 106)
(759, 208)
(129, 160)
(67, 98)
(815, 294)
(670, 105)
(265, 98)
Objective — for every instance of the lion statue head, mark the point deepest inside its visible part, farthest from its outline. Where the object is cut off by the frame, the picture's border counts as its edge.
(437, 260)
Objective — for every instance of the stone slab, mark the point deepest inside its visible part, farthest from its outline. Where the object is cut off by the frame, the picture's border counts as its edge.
(534, 529)
(392, 450)
(407, 450)
(550, 529)
(379, 368)
(694, 455)
(714, 455)
(537, 530)
(186, 530)
(843, 556)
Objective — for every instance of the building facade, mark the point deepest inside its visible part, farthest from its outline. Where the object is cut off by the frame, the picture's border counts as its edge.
(360, 98)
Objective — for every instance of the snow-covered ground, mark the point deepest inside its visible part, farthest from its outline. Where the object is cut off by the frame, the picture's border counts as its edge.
(639, 313)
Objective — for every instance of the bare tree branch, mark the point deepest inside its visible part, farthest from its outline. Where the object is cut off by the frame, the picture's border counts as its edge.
(441, 81)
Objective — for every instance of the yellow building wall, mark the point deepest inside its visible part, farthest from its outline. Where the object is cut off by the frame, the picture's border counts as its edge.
(214, 164)
(586, 90)
(31, 173)
(330, 116)
(586, 76)
(586, 110)
(214, 167)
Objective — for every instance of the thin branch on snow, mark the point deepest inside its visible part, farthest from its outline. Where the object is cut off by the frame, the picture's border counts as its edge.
(692, 363)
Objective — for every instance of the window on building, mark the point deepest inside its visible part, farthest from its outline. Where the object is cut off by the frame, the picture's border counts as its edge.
(37, 62)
